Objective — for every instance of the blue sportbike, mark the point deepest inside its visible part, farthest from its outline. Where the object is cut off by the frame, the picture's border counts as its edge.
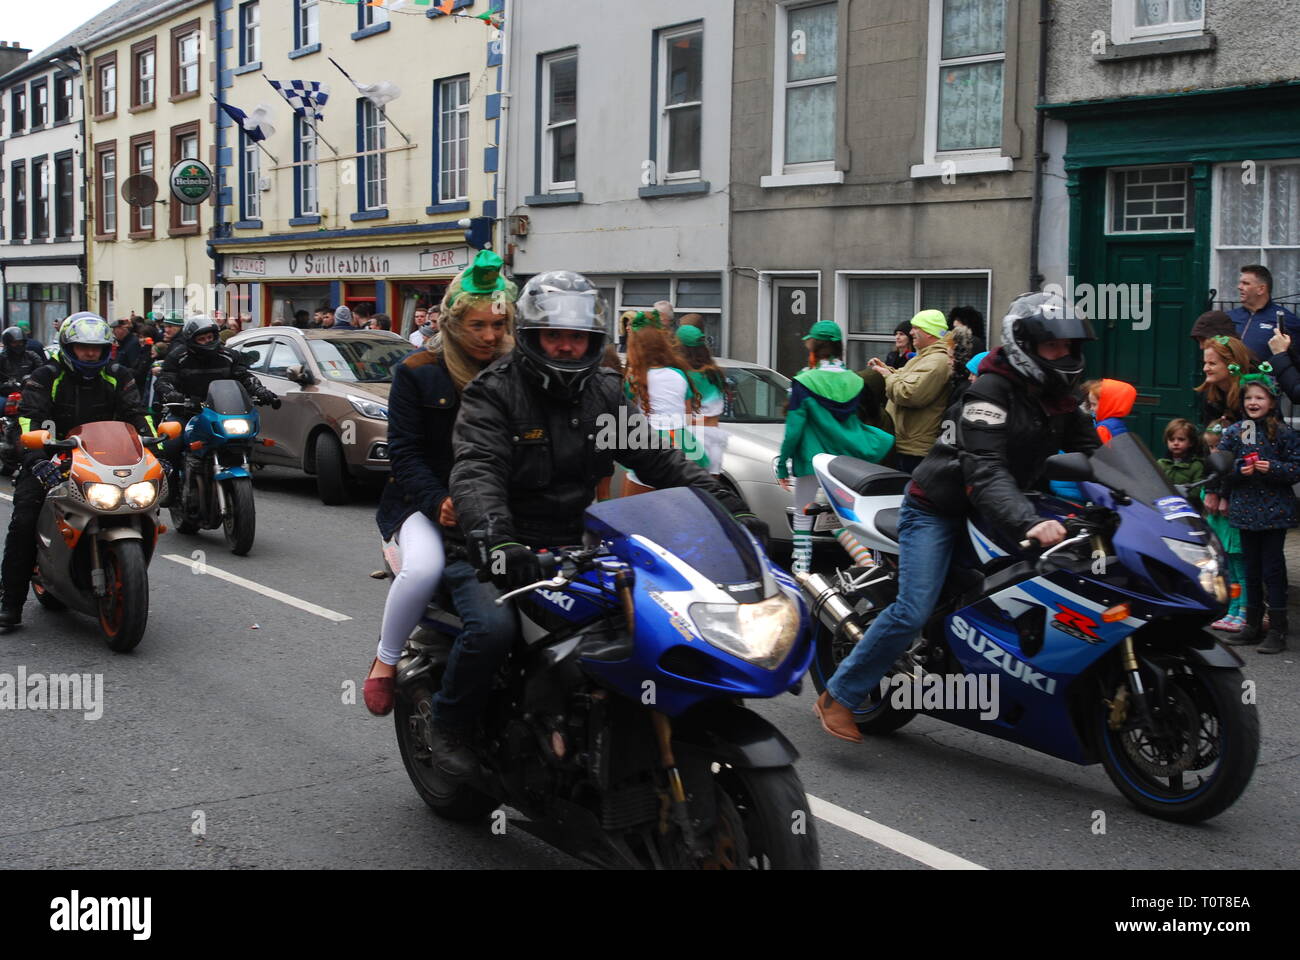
(618, 727)
(1096, 649)
(215, 487)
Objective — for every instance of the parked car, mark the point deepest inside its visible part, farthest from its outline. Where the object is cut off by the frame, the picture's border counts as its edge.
(334, 384)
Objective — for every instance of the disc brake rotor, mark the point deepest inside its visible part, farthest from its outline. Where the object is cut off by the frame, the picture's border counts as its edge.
(1178, 751)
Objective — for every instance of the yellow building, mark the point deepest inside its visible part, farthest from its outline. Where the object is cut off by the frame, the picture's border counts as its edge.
(148, 85)
(362, 206)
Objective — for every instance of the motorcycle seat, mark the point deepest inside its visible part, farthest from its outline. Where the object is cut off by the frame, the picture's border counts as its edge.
(868, 479)
(887, 522)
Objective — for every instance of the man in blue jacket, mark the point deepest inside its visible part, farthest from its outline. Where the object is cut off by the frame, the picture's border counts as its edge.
(1256, 319)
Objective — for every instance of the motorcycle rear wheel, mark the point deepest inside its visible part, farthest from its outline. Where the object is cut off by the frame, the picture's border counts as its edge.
(46, 599)
(875, 715)
(124, 613)
(447, 799)
(1214, 730)
(239, 523)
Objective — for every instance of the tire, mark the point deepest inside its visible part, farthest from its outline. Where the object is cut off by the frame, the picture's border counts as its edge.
(875, 716)
(332, 480)
(46, 599)
(124, 613)
(780, 831)
(180, 523)
(1226, 735)
(448, 800)
(240, 520)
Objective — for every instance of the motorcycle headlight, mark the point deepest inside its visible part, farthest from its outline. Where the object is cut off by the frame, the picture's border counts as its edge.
(103, 496)
(236, 428)
(1206, 561)
(761, 633)
(141, 495)
(368, 408)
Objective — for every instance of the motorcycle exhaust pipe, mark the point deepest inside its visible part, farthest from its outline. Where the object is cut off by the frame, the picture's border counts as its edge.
(829, 606)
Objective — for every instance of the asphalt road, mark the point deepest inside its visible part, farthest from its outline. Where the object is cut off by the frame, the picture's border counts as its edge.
(232, 716)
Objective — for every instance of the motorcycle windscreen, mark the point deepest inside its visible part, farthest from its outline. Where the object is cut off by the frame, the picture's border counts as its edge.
(1126, 464)
(228, 396)
(111, 442)
(687, 523)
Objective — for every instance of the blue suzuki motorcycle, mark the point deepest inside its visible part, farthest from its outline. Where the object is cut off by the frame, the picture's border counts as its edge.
(1097, 647)
(216, 489)
(618, 727)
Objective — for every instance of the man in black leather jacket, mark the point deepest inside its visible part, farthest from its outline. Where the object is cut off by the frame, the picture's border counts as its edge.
(17, 360)
(993, 448)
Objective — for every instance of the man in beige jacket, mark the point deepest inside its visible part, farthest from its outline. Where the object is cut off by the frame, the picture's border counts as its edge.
(918, 393)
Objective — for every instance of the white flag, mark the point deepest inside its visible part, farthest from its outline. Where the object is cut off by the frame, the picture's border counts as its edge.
(380, 94)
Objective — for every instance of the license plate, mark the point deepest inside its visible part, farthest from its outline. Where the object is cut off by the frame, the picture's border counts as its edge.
(827, 523)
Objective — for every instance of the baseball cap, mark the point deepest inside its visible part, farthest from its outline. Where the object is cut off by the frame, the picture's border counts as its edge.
(825, 330)
(690, 336)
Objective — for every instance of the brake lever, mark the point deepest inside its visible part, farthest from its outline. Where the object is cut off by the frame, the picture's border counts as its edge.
(554, 583)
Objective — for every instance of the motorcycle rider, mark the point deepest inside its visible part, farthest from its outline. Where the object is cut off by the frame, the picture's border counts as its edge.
(18, 360)
(195, 360)
(527, 462)
(1017, 413)
(80, 386)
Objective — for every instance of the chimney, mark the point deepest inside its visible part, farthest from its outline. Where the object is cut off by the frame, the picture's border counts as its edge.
(12, 55)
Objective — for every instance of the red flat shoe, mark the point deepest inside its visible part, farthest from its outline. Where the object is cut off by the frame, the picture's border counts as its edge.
(378, 693)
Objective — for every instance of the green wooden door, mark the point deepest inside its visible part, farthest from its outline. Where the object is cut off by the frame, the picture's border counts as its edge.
(1154, 352)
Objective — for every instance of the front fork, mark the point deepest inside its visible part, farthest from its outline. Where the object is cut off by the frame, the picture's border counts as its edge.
(1135, 691)
(675, 806)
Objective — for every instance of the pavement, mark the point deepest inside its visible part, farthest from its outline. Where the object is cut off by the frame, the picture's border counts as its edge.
(235, 737)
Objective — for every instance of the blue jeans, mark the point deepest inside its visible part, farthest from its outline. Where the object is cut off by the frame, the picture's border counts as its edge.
(925, 547)
(480, 650)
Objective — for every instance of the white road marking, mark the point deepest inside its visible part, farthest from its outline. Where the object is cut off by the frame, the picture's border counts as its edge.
(7, 497)
(895, 840)
(208, 569)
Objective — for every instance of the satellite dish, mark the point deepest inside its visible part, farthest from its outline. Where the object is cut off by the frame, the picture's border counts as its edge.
(139, 190)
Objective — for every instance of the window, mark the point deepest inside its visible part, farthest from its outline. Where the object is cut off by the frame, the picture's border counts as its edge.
(374, 165)
(699, 295)
(369, 15)
(106, 167)
(185, 146)
(1138, 20)
(18, 110)
(250, 33)
(306, 23)
(142, 72)
(18, 223)
(1258, 222)
(560, 135)
(1150, 200)
(63, 205)
(62, 98)
(681, 83)
(43, 305)
(41, 195)
(142, 162)
(106, 85)
(305, 173)
(250, 173)
(453, 139)
(874, 304)
(185, 60)
(40, 104)
(806, 70)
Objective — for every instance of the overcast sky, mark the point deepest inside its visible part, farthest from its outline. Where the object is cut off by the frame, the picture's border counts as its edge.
(36, 25)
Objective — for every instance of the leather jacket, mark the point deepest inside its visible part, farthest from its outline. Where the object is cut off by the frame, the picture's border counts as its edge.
(190, 372)
(53, 395)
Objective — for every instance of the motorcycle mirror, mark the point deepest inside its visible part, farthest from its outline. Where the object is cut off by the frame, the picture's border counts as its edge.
(171, 429)
(35, 439)
(1220, 462)
(1068, 467)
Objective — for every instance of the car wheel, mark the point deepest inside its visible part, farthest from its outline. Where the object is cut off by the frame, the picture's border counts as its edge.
(332, 480)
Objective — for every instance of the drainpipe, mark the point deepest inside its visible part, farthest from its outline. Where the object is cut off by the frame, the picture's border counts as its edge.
(508, 9)
(1040, 158)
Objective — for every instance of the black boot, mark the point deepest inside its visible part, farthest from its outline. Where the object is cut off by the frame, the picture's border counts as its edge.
(11, 615)
(1275, 642)
(452, 755)
(1252, 632)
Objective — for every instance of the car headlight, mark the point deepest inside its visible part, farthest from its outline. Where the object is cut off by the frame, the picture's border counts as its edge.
(236, 428)
(103, 496)
(368, 408)
(761, 633)
(1206, 561)
(141, 495)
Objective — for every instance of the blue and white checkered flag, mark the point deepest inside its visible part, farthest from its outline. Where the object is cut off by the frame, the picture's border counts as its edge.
(305, 96)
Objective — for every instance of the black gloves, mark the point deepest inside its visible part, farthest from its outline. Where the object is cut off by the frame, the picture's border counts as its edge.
(755, 526)
(269, 399)
(47, 472)
(512, 565)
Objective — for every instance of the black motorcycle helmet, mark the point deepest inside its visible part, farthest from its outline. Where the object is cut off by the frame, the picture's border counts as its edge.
(15, 341)
(1034, 319)
(196, 327)
(560, 300)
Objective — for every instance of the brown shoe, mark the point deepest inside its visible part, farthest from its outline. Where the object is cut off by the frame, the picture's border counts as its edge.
(837, 719)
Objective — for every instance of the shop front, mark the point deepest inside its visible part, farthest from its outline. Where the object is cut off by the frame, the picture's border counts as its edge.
(41, 295)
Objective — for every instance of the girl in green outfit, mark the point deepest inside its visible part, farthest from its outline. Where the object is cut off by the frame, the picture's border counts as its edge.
(822, 418)
(1231, 538)
(711, 385)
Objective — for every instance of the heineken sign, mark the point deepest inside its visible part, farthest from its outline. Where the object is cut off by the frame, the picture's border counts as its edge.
(191, 181)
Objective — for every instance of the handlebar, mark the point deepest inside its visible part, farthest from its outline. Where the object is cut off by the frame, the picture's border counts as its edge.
(577, 561)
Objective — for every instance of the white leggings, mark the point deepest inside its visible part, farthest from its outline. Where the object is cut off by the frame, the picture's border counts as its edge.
(422, 563)
(805, 492)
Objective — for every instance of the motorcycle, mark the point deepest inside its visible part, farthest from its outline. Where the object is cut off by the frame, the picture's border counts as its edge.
(215, 487)
(98, 527)
(617, 727)
(11, 452)
(1097, 646)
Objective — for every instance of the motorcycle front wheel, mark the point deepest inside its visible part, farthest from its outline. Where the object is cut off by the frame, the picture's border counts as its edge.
(239, 523)
(1198, 760)
(777, 830)
(124, 612)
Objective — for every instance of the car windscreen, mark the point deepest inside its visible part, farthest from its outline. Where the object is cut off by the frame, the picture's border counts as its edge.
(755, 395)
(350, 358)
